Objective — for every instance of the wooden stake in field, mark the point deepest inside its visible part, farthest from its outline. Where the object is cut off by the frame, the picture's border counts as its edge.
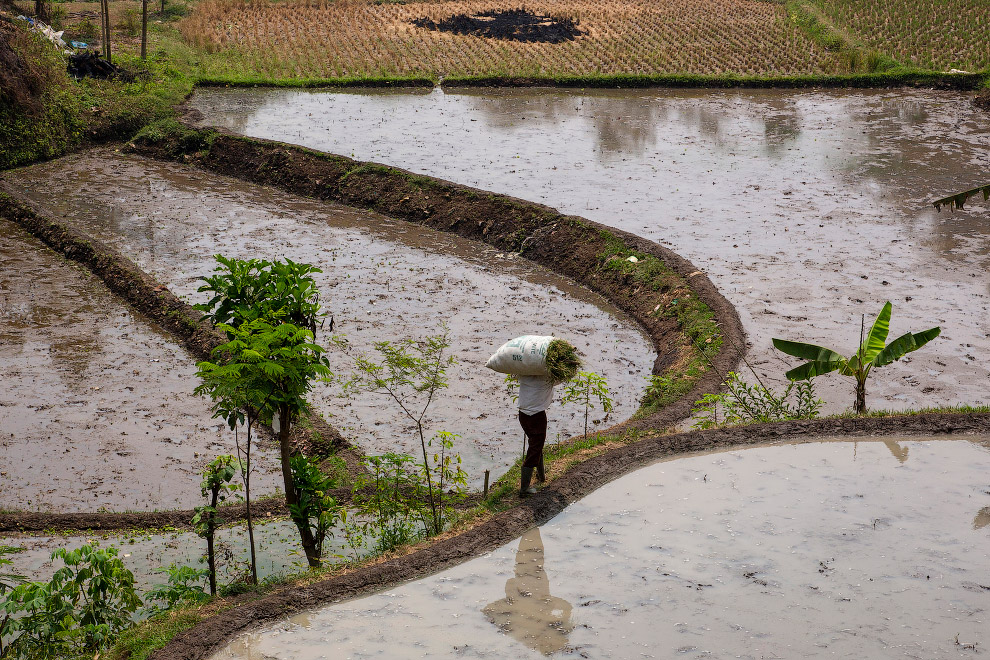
(105, 6)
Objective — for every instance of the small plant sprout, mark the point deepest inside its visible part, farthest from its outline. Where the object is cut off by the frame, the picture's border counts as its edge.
(184, 586)
(873, 352)
(586, 389)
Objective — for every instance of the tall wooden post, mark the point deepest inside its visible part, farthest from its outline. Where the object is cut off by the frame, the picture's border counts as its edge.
(144, 29)
(105, 5)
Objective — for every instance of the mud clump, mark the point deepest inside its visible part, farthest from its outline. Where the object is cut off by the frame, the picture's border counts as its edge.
(982, 100)
(511, 24)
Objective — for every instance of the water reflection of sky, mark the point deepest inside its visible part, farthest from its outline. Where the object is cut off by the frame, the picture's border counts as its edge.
(807, 208)
(828, 549)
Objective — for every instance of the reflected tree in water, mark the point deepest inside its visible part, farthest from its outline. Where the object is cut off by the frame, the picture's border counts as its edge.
(529, 613)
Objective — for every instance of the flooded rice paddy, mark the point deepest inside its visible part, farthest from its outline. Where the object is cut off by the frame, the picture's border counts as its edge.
(806, 208)
(382, 280)
(96, 408)
(865, 549)
(145, 553)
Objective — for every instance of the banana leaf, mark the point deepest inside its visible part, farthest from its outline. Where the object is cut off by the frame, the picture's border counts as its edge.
(877, 337)
(905, 344)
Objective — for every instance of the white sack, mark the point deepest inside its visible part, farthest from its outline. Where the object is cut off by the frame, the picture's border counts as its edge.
(522, 356)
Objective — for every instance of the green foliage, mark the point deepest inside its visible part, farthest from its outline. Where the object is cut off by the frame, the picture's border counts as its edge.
(215, 487)
(410, 373)
(747, 404)
(314, 505)
(40, 111)
(245, 290)
(185, 586)
(264, 367)
(129, 21)
(586, 389)
(872, 352)
(562, 361)
(512, 386)
(81, 609)
(8, 580)
(388, 497)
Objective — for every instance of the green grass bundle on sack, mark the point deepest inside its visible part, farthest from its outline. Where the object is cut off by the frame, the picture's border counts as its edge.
(532, 355)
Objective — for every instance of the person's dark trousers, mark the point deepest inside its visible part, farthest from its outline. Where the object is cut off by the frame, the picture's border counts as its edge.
(535, 427)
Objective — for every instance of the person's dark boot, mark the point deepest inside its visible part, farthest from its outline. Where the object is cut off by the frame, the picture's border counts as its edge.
(525, 490)
(541, 472)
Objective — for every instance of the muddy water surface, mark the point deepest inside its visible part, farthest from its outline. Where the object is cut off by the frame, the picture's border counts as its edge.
(868, 549)
(96, 405)
(145, 553)
(806, 208)
(382, 280)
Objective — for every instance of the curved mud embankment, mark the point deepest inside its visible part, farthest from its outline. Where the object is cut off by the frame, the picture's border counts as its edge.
(656, 293)
(208, 637)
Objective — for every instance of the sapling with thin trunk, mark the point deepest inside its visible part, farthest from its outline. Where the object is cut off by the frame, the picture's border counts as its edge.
(586, 389)
(410, 373)
(216, 487)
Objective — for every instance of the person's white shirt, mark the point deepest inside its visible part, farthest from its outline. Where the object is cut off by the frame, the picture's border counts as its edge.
(535, 394)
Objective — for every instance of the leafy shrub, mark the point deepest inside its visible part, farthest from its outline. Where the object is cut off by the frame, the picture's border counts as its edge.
(185, 585)
(746, 404)
(314, 506)
(81, 609)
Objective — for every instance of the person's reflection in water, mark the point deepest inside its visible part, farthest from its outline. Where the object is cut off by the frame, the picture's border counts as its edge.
(528, 612)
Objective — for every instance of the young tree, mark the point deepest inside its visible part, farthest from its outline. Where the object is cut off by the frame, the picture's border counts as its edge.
(411, 373)
(873, 352)
(216, 486)
(269, 311)
(268, 369)
(585, 389)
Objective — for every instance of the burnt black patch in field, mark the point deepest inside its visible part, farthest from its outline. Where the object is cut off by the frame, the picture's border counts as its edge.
(511, 24)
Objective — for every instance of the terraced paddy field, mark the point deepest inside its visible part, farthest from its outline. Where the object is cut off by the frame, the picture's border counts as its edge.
(831, 548)
(260, 40)
(96, 409)
(806, 208)
(382, 280)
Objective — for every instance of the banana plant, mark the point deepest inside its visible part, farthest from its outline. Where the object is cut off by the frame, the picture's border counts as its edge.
(873, 352)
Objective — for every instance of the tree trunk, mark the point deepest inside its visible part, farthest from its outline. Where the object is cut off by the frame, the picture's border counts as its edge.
(144, 29)
(106, 31)
(247, 502)
(860, 397)
(305, 533)
(211, 555)
(40, 10)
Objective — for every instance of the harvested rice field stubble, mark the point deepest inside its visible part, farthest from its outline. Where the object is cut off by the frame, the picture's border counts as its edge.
(933, 34)
(350, 39)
